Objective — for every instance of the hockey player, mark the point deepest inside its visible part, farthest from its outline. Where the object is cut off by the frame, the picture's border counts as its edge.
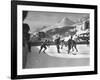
(44, 45)
(57, 43)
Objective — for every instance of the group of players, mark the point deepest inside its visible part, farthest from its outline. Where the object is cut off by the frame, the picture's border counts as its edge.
(71, 44)
(26, 40)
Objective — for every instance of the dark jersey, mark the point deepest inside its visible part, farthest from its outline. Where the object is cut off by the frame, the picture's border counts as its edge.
(44, 43)
(69, 41)
(57, 41)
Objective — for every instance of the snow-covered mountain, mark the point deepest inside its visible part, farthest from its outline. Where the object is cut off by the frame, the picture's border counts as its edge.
(64, 28)
(64, 22)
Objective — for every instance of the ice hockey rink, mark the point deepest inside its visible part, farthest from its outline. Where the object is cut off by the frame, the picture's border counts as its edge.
(53, 59)
(83, 52)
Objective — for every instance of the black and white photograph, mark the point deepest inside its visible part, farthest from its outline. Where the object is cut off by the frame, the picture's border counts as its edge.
(53, 39)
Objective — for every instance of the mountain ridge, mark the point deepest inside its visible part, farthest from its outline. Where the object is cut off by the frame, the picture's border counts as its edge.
(64, 22)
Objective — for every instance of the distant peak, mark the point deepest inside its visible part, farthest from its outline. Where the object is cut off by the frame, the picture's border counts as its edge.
(66, 22)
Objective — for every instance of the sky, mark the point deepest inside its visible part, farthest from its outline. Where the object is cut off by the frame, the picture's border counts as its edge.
(37, 19)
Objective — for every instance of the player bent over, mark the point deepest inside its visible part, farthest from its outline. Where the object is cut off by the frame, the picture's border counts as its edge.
(44, 45)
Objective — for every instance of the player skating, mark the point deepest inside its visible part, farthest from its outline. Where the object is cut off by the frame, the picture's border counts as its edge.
(57, 43)
(44, 45)
(71, 45)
